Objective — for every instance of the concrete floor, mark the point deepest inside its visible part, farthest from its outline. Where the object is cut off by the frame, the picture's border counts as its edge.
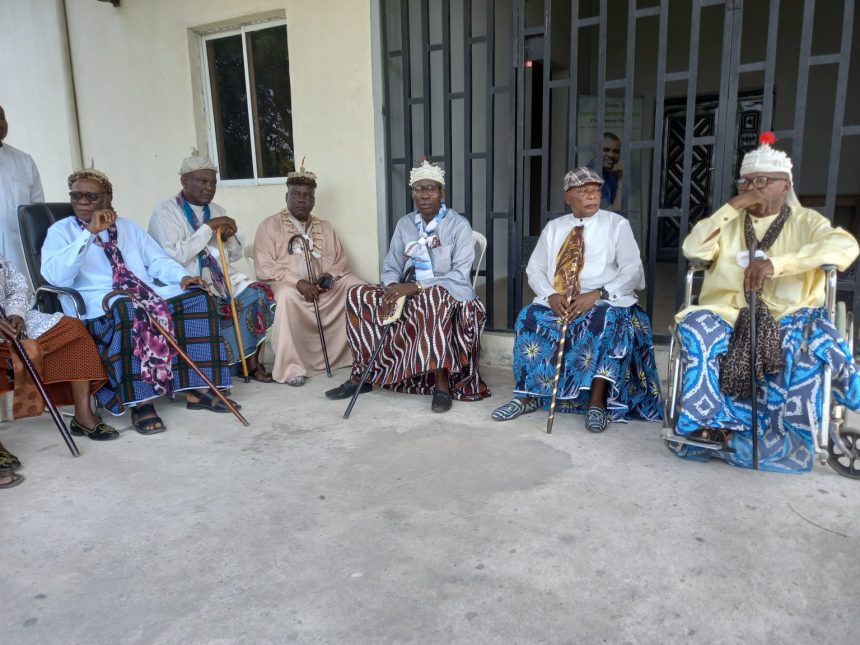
(404, 526)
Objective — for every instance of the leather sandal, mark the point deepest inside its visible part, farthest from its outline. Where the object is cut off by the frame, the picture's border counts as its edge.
(145, 420)
(7, 472)
(208, 401)
(8, 460)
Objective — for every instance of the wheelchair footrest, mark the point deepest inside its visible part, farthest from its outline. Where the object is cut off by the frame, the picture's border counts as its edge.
(669, 434)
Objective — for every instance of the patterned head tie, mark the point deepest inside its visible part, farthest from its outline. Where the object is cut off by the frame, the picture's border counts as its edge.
(580, 177)
(302, 177)
(196, 162)
(427, 170)
(95, 175)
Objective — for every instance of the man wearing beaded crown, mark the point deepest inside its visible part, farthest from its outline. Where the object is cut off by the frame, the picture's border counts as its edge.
(794, 338)
(295, 336)
(185, 226)
(434, 348)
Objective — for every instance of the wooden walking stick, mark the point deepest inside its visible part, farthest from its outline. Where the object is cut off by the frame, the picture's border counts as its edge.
(312, 277)
(40, 385)
(558, 361)
(225, 268)
(753, 349)
(175, 345)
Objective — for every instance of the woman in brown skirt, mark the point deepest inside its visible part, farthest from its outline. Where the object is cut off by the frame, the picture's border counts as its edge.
(65, 357)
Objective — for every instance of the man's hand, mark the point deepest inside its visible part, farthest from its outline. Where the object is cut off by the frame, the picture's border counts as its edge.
(189, 280)
(559, 306)
(226, 224)
(618, 169)
(309, 290)
(11, 327)
(755, 274)
(102, 220)
(750, 200)
(583, 303)
(394, 292)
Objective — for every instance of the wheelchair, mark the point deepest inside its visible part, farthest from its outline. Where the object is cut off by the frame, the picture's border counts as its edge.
(835, 444)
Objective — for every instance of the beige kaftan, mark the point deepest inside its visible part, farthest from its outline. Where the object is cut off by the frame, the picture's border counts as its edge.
(294, 335)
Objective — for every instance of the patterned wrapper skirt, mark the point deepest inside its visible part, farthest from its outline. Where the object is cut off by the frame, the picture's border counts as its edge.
(197, 330)
(612, 343)
(435, 331)
(255, 309)
(63, 354)
(785, 401)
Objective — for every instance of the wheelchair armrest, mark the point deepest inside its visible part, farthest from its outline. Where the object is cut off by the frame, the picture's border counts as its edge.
(80, 307)
(698, 265)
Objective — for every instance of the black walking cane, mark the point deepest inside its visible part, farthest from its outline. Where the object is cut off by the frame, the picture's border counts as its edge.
(55, 413)
(313, 279)
(388, 323)
(175, 345)
(753, 349)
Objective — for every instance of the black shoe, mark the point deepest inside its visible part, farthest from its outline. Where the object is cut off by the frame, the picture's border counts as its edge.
(346, 390)
(441, 401)
(100, 432)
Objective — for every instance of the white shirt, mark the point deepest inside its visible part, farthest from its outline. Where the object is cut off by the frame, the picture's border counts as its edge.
(71, 259)
(612, 258)
(19, 184)
(169, 227)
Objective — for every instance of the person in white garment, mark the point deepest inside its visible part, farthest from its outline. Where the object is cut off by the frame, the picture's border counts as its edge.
(19, 184)
(185, 227)
(585, 270)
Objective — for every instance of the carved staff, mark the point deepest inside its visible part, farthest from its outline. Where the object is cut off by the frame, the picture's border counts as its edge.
(312, 278)
(55, 413)
(225, 268)
(175, 345)
(753, 349)
(572, 285)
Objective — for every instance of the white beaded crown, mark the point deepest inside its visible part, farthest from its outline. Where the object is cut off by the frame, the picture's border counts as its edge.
(427, 171)
(765, 158)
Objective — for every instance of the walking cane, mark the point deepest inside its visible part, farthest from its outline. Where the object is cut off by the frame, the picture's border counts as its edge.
(753, 349)
(313, 279)
(225, 268)
(560, 357)
(388, 323)
(175, 345)
(55, 413)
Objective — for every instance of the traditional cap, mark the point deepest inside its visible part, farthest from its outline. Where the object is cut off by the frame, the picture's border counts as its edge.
(765, 158)
(580, 177)
(768, 159)
(427, 171)
(91, 173)
(196, 162)
(301, 177)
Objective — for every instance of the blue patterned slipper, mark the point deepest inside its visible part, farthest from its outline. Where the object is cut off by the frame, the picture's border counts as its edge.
(514, 408)
(596, 420)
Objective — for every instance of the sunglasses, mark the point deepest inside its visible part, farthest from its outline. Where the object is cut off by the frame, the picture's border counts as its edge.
(77, 196)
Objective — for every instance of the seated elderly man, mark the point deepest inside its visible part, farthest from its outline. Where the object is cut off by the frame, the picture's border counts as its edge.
(185, 227)
(794, 338)
(96, 252)
(434, 348)
(279, 257)
(585, 269)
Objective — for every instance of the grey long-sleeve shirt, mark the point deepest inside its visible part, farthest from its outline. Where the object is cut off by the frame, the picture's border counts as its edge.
(452, 259)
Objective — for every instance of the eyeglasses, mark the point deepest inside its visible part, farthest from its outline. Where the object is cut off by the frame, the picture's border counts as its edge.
(757, 182)
(77, 196)
(426, 189)
(591, 192)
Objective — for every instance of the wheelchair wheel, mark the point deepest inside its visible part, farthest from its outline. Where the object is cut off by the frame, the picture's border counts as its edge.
(846, 464)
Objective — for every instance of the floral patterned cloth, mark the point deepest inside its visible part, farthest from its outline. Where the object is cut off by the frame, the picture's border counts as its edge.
(613, 343)
(150, 347)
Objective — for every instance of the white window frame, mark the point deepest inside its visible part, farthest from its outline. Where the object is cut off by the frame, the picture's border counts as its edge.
(242, 30)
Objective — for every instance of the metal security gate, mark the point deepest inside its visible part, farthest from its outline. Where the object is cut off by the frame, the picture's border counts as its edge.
(663, 97)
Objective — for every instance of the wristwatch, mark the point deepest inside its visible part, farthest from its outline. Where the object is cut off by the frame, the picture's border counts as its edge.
(604, 294)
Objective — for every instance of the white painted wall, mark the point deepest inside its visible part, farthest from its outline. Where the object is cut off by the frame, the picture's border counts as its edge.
(136, 73)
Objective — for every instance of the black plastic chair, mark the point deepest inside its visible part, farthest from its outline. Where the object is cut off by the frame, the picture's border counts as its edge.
(34, 220)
